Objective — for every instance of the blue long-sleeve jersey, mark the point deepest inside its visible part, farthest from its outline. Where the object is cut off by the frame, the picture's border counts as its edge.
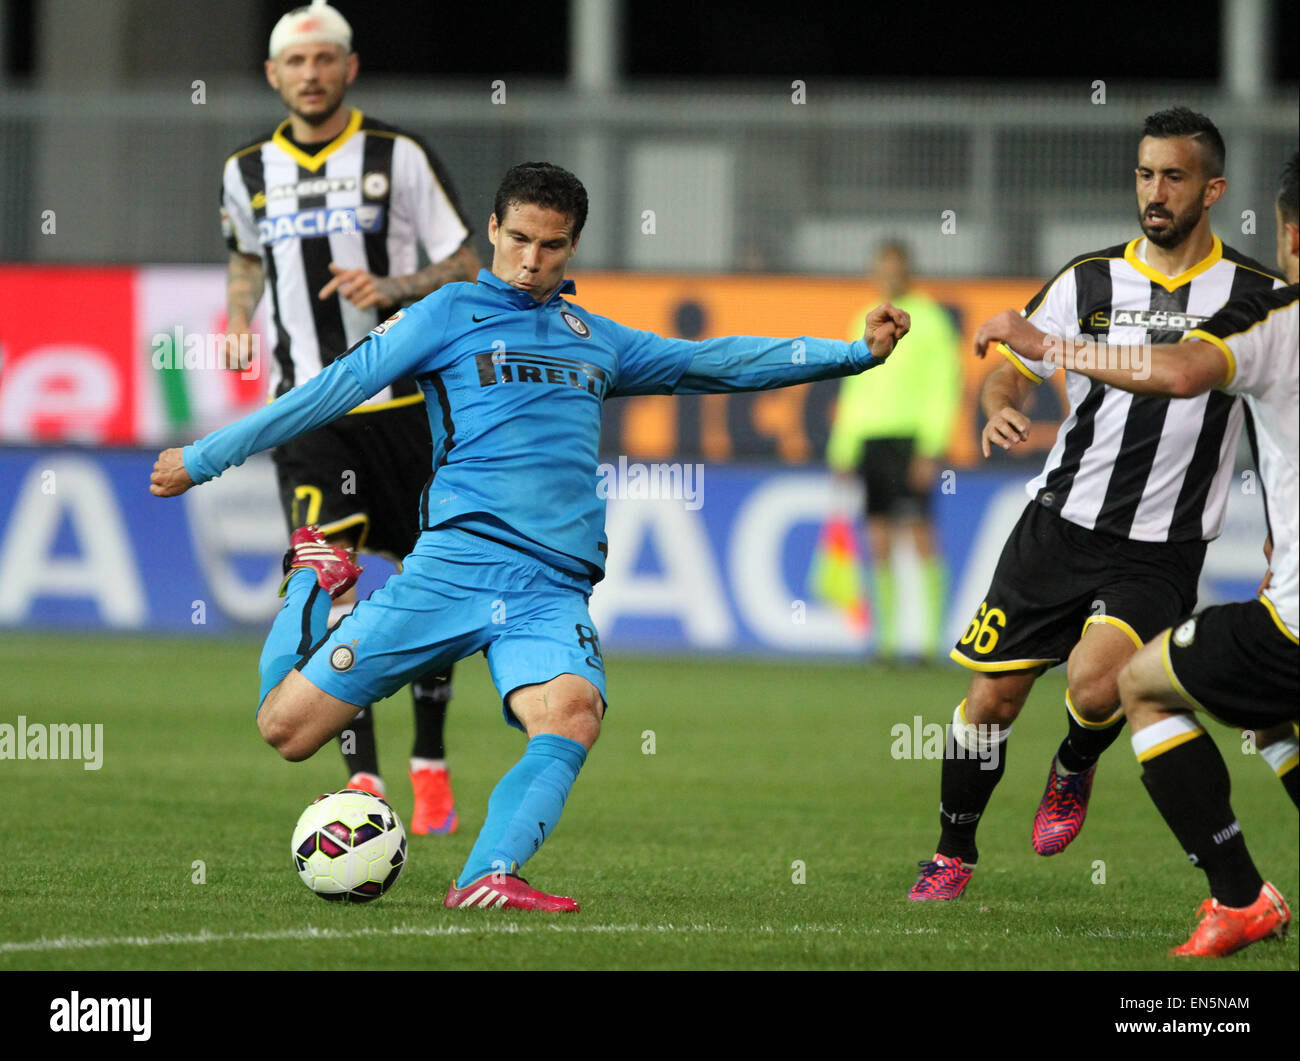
(514, 390)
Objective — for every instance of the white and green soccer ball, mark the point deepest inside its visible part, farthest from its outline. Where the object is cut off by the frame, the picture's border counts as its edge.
(349, 846)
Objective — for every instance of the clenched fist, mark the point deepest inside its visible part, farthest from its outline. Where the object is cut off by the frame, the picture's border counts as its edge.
(886, 325)
(169, 476)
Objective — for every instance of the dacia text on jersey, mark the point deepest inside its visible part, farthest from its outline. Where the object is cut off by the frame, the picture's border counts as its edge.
(323, 221)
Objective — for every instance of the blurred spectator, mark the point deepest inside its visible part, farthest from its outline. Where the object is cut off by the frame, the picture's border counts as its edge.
(892, 430)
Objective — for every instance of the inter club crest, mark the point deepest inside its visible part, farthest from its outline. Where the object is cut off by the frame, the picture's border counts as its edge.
(576, 324)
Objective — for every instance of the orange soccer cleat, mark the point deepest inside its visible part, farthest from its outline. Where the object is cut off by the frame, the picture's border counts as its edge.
(435, 808)
(371, 783)
(1225, 930)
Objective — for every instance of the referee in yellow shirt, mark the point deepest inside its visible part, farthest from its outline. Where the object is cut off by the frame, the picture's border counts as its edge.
(893, 430)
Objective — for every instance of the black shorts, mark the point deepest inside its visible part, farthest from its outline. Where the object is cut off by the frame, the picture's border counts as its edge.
(1237, 663)
(1055, 578)
(884, 467)
(362, 474)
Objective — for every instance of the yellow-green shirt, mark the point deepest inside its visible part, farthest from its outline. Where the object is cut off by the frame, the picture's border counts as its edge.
(912, 395)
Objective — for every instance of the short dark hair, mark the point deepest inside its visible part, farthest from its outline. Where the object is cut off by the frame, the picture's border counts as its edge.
(895, 247)
(546, 185)
(1182, 121)
(1287, 192)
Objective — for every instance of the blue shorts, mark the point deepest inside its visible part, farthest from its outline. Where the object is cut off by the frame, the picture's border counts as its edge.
(458, 594)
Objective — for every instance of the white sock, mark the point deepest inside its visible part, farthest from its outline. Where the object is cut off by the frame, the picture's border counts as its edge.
(427, 764)
(1061, 771)
(379, 782)
(1280, 753)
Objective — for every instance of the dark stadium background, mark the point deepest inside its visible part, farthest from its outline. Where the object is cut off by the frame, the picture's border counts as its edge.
(739, 39)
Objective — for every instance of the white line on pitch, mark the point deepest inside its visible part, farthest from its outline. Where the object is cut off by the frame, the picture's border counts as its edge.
(509, 928)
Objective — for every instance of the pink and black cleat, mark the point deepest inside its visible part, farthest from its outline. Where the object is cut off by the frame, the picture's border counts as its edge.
(335, 570)
(1062, 809)
(942, 878)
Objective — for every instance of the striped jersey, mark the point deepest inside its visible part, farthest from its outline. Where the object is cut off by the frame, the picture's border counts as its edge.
(372, 198)
(1260, 336)
(1140, 467)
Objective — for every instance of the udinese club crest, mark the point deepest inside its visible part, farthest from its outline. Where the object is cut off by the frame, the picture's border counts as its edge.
(374, 185)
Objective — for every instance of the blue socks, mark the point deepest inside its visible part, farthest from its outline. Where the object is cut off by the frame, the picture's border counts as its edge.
(302, 622)
(525, 806)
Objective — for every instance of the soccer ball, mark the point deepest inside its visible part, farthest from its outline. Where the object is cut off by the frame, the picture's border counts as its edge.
(349, 846)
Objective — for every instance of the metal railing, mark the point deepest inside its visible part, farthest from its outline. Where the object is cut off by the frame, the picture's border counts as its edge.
(981, 181)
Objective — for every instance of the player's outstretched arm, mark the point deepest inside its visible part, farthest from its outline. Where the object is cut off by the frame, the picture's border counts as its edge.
(1175, 370)
(1011, 328)
(407, 348)
(323, 398)
(651, 364)
(1172, 370)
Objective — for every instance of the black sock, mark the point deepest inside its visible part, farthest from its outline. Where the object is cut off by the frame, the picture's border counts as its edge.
(968, 782)
(431, 693)
(1082, 746)
(357, 743)
(1291, 782)
(1190, 787)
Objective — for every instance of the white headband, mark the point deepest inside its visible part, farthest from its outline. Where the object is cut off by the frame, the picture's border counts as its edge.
(307, 25)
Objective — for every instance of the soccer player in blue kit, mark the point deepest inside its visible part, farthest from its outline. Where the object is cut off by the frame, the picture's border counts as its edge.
(512, 525)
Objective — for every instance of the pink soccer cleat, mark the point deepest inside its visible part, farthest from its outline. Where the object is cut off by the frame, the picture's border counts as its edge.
(1062, 809)
(505, 891)
(335, 570)
(942, 878)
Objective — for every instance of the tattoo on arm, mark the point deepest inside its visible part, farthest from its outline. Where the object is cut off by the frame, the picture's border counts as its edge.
(400, 290)
(244, 282)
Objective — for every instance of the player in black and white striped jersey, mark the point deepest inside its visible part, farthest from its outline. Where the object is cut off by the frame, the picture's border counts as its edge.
(1109, 550)
(1144, 470)
(332, 213)
(1239, 662)
(359, 197)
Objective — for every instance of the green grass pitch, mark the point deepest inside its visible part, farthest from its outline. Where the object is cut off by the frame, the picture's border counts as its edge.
(762, 775)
